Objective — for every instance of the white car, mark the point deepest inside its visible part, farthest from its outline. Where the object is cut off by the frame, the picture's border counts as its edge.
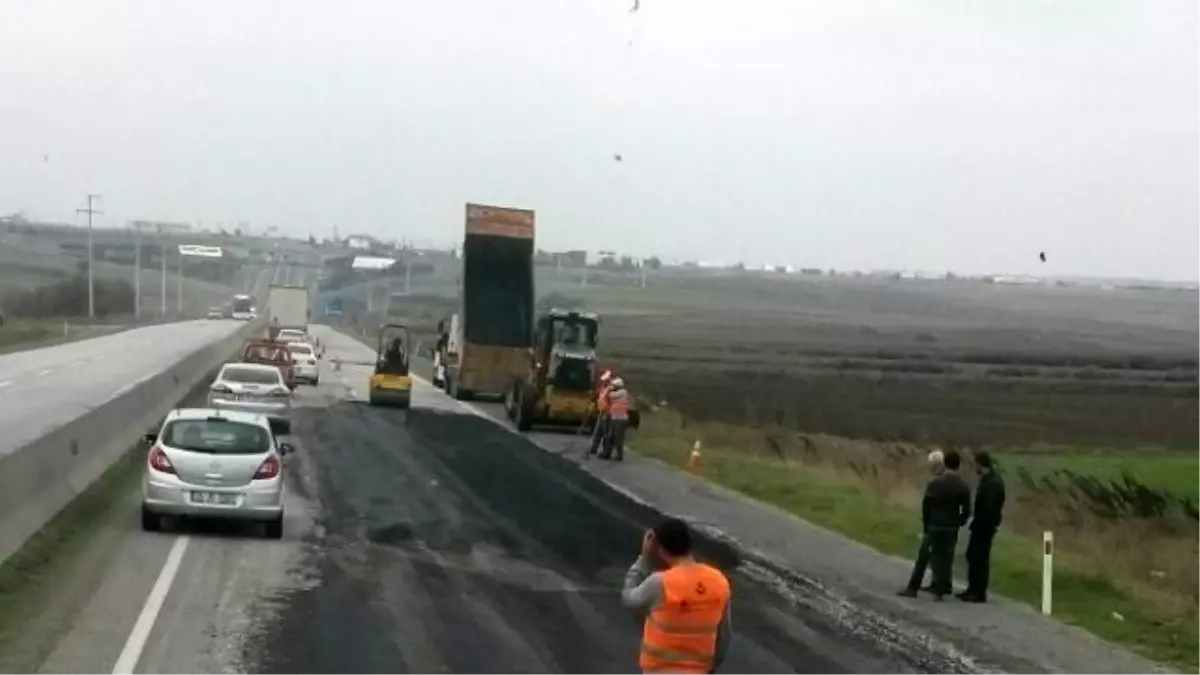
(215, 464)
(251, 387)
(304, 362)
(245, 316)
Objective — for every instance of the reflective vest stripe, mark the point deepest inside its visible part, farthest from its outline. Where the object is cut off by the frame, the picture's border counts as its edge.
(618, 405)
(697, 628)
(602, 399)
(678, 657)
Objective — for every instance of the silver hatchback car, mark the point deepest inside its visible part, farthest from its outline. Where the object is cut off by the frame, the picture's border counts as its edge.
(216, 464)
(251, 387)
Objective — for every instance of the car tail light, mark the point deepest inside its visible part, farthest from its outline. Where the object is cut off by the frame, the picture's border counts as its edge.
(268, 469)
(220, 389)
(159, 461)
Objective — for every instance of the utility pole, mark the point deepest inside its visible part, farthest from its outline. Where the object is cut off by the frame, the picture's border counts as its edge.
(137, 270)
(91, 275)
(179, 288)
(162, 254)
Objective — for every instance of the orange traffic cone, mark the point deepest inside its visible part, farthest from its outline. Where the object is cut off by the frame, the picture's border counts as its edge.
(693, 462)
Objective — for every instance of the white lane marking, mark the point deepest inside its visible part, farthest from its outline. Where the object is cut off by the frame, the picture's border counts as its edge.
(132, 651)
(46, 371)
(125, 389)
(5, 383)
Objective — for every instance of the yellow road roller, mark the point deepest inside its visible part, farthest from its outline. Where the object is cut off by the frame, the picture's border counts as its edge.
(391, 384)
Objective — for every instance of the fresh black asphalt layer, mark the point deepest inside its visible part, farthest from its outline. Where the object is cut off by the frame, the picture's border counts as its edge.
(446, 544)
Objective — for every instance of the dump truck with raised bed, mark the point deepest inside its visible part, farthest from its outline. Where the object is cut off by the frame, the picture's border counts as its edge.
(497, 302)
(561, 381)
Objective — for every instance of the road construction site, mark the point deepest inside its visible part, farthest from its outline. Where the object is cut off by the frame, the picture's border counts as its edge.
(436, 536)
(425, 540)
(422, 540)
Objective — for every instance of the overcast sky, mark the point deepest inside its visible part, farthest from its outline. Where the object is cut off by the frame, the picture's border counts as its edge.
(933, 135)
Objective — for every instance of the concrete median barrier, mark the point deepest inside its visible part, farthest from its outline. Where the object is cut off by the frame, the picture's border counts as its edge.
(42, 477)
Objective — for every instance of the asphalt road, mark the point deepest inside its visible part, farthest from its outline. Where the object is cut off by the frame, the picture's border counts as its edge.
(428, 540)
(41, 389)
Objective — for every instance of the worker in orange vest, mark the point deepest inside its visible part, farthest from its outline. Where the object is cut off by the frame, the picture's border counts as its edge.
(600, 430)
(688, 626)
(618, 420)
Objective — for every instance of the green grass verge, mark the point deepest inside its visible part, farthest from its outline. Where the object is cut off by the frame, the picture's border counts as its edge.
(1081, 597)
(16, 334)
(1174, 472)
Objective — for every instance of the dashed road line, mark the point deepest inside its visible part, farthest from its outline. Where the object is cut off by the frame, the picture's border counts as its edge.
(46, 371)
(132, 652)
(5, 383)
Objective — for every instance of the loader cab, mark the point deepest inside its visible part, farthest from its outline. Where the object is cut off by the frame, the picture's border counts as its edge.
(565, 349)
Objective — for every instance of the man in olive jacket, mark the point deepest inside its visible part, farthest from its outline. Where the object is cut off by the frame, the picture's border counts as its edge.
(945, 508)
(989, 507)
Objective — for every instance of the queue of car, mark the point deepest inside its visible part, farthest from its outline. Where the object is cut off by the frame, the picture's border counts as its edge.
(225, 460)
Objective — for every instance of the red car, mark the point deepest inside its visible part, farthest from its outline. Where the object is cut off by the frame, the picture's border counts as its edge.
(273, 353)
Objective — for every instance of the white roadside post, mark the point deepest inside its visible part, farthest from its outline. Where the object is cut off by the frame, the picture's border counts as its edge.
(1047, 569)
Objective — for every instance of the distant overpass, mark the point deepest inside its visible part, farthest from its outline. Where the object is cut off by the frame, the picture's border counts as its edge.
(120, 243)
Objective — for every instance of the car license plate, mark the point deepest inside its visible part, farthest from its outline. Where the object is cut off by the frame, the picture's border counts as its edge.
(245, 397)
(219, 498)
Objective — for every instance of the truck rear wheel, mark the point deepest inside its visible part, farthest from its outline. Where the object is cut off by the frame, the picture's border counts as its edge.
(526, 408)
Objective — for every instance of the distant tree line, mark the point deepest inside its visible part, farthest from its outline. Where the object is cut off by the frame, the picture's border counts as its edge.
(69, 298)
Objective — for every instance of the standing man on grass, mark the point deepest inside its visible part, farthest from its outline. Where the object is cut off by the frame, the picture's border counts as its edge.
(936, 467)
(989, 507)
(945, 508)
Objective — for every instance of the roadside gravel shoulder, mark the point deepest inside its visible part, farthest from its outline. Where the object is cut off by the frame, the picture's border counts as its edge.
(1002, 634)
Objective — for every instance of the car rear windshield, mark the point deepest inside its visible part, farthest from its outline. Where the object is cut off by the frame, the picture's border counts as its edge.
(291, 335)
(218, 437)
(251, 375)
(268, 353)
(303, 350)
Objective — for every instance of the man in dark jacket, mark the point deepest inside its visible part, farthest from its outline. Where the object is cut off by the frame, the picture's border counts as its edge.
(945, 507)
(989, 506)
(936, 461)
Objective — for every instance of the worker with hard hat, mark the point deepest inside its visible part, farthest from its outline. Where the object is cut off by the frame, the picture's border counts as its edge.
(688, 625)
(600, 430)
(618, 420)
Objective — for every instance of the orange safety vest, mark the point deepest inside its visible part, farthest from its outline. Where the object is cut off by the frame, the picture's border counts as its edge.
(602, 399)
(618, 404)
(680, 635)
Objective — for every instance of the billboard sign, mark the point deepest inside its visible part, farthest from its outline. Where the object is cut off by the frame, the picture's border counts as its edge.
(200, 251)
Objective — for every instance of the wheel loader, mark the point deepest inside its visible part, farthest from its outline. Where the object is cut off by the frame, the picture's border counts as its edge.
(561, 382)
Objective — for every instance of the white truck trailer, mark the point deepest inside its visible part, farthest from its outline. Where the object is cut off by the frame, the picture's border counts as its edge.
(289, 306)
